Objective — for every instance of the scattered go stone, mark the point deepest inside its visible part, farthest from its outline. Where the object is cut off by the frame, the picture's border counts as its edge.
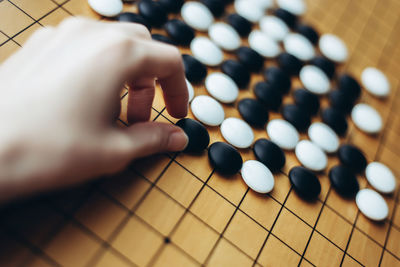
(222, 87)
(253, 112)
(278, 78)
(366, 118)
(297, 117)
(204, 50)
(252, 60)
(172, 6)
(179, 31)
(283, 134)
(311, 156)
(325, 65)
(257, 176)
(333, 48)
(306, 101)
(344, 181)
(289, 18)
(296, 7)
(265, 4)
(217, 7)
(269, 95)
(197, 134)
(299, 46)
(352, 157)
(289, 63)
(237, 71)
(314, 80)
(340, 100)
(270, 154)
(237, 132)
(249, 9)
(190, 90)
(309, 32)
(240, 24)
(195, 71)
(335, 119)
(225, 36)
(263, 44)
(305, 183)
(106, 8)
(162, 38)
(375, 82)
(197, 15)
(350, 87)
(134, 18)
(207, 110)
(380, 177)
(153, 12)
(372, 205)
(323, 136)
(224, 158)
(274, 27)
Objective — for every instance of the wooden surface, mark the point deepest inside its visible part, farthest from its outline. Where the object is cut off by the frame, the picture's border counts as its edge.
(173, 210)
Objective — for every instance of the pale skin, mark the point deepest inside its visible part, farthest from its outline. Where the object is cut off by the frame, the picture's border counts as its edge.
(60, 96)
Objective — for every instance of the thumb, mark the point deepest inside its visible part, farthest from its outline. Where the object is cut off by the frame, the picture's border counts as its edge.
(148, 138)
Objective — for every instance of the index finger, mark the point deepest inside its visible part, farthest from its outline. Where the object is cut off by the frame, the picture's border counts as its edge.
(152, 59)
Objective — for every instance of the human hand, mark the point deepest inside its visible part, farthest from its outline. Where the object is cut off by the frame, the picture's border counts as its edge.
(59, 97)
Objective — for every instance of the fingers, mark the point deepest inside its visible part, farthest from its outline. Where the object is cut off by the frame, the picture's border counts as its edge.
(140, 100)
(148, 138)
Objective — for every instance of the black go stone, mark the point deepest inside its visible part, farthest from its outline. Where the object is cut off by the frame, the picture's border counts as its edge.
(240, 24)
(153, 12)
(253, 112)
(172, 6)
(269, 95)
(162, 38)
(352, 157)
(197, 134)
(344, 181)
(297, 116)
(237, 71)
(195, 71)
(289, 18)
(305, 183)
(327, 66)
(253, 61)
(341, 101)
(179, 31)
(217, 7)
(270, 154)
(306, 101)
(289, 63)
(309, 32)
(134, 18)
(278, 78)
(225, 158)
(335, 119)
(350, 86)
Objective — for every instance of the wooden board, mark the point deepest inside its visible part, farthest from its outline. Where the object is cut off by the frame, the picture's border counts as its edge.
(173, 210)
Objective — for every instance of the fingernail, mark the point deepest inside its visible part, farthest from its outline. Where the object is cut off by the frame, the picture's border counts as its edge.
(177, 141)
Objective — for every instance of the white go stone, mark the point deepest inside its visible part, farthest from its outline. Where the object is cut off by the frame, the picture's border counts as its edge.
(299, 46)
(375, 82)
(274, 27)
(366, 118)
(283, 134)
(225, 36)
(237, 132)
(311, 156)
(297, 7)
(380, 177)
(333, 48)
(323, 136)
(257, 176)
(106, 8)
(222, 87)
(204, 50)
(252, 10)
(265, 4)
(263, 44)
(207, 110)
(314, 80)
(190, 90)
(197, 15)
(372, 205)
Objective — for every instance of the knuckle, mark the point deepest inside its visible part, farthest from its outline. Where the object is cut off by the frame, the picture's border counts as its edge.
(142, 31)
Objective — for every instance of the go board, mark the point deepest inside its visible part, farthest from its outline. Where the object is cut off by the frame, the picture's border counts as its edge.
(174, 210)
